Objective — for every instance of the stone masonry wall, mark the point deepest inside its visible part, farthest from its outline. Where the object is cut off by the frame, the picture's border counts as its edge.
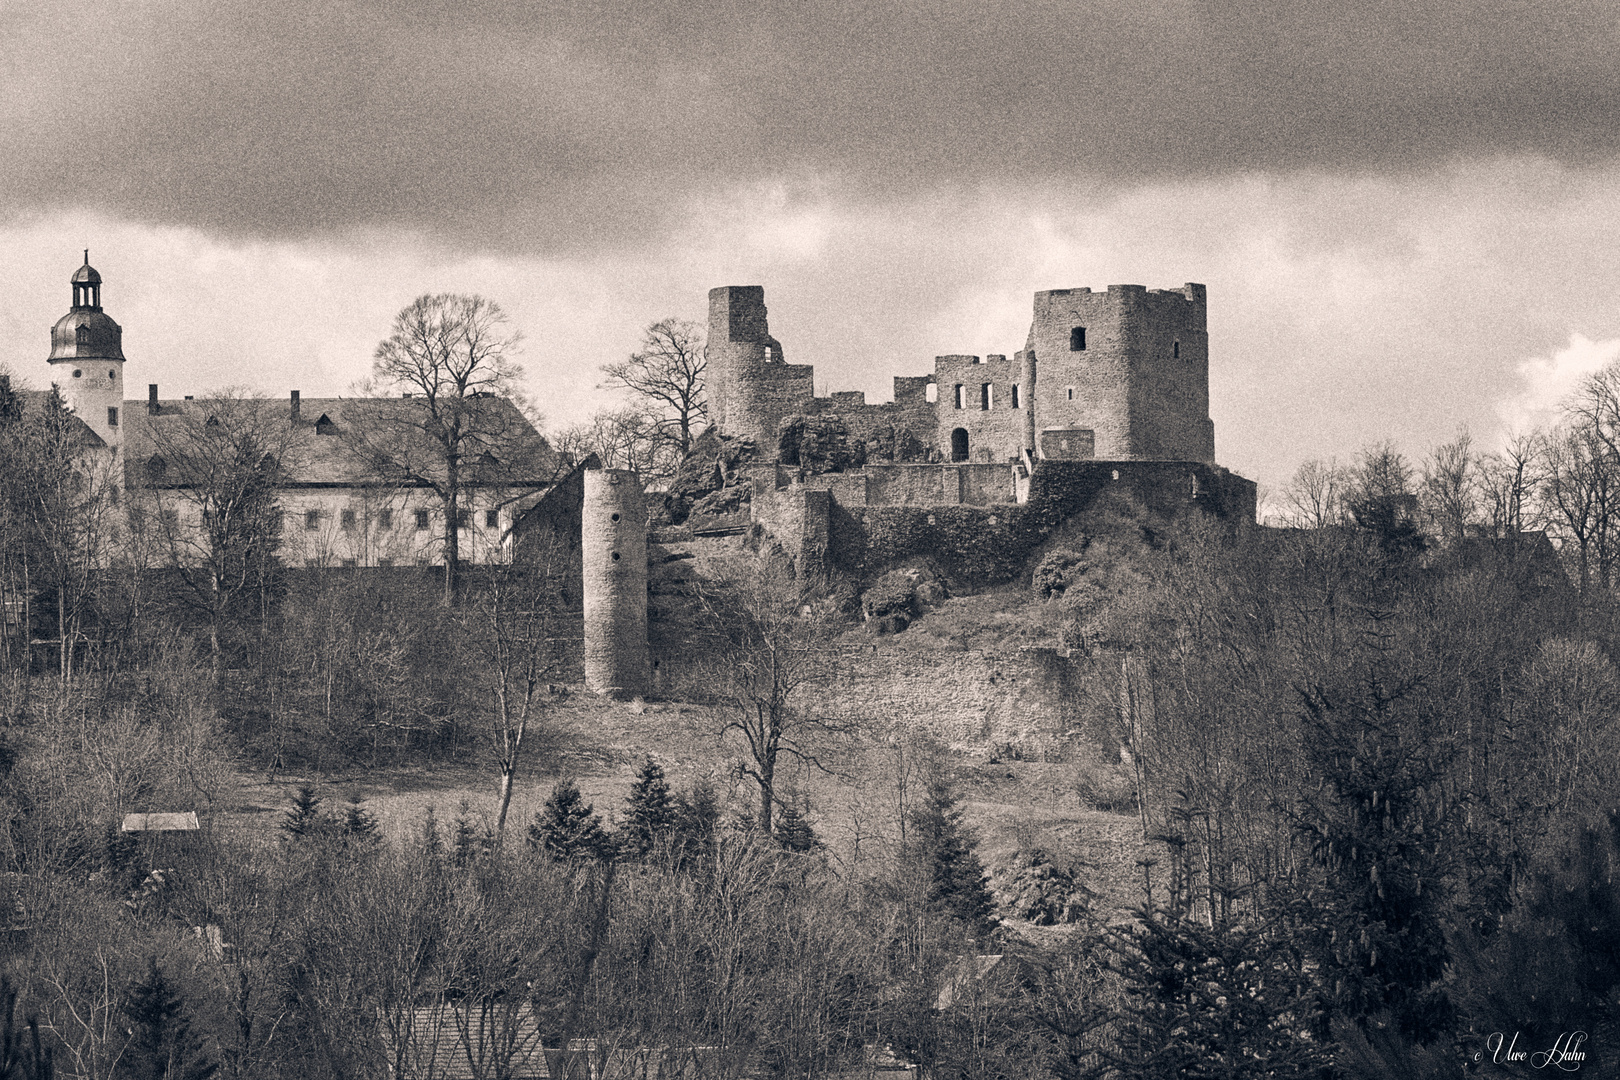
(967, 698)
(1141, 381)
(993, 434)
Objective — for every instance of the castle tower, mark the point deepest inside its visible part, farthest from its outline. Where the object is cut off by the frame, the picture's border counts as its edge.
(751, 387)
(1130, 364)
(613, 541)
(87, 358)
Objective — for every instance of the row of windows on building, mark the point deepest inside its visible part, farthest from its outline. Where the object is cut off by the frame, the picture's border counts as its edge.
(423, 519)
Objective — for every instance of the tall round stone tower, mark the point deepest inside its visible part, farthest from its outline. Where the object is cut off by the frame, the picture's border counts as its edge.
(613, 542)
(87, 358)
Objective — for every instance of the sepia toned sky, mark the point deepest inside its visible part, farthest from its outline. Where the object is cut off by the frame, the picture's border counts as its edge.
(1407, 213)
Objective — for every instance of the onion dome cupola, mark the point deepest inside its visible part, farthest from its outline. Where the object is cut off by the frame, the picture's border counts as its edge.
(87, 358)
(86, 331)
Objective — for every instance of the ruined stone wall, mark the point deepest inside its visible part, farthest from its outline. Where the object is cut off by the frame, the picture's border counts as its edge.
(969, 698)
(995, 433)
(1130, 364)
(751, 386)
(904, 429)
(613, 542)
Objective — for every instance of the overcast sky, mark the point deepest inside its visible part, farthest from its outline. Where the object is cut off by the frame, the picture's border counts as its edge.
(1407, 212)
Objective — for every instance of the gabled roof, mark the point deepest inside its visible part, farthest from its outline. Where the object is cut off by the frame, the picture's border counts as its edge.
(343, 442)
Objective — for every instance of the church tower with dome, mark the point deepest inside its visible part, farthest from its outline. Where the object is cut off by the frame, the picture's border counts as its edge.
(87, 359)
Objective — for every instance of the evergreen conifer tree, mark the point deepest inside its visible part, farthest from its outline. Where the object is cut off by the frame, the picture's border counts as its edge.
(793, 831)
(957, 884)
(359, 824)
(162, 1045)
(568, 827)
(1378, 829)
(304, 818)
(652, 814)
(468, 843)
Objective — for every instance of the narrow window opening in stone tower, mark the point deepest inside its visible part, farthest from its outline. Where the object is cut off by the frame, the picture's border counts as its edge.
(1175, 350)
(931, 393)
(112, 416)
(112, 374)
(961, 401)
(1069, 392)
(986, 397)
(1077, 339)
(1016, 397)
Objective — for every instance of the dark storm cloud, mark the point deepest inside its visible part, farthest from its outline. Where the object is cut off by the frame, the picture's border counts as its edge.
(586, 124)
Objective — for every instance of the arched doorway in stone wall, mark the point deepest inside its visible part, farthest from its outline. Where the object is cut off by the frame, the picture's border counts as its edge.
(959, 445)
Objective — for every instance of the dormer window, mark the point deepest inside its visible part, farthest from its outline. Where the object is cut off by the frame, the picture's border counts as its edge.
(156, 468)
(324, 426)
(82, 336)
(212, 421)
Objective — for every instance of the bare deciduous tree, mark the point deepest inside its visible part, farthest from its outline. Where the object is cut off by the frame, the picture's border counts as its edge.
(1450, 487)
(451, 358)
(769, 647)
(627, 438)
(667, 374)
(522, 630)
(1314, 498)
(211, 500)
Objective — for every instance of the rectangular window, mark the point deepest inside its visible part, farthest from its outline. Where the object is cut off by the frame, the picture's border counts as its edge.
(986, 398)
(421, 520)
(1015, 396)
(961, 400)
(1175, 351)
(1069, 390)
(1077, 339)
(385, 519)
(312, 519)
(492, 518)
(112, 416)
(171, 517)
(463, 518)
(346, 520)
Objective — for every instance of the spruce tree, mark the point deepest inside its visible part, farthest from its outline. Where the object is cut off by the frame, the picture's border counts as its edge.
(793, 831)
(304, 818)
(956, 880)
(651, 814)
(359, 824)
(162, 1045)
(1378, 829)
(568, 827)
